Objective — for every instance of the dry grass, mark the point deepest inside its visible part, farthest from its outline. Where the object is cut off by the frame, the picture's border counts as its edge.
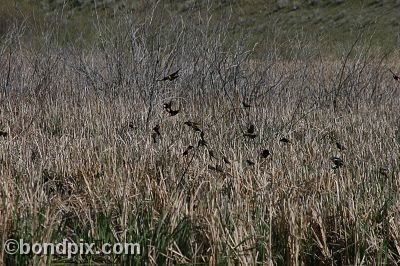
(79, 160)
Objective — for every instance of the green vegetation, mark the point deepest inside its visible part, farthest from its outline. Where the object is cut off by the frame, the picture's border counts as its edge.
(326, 23)
(283, 153)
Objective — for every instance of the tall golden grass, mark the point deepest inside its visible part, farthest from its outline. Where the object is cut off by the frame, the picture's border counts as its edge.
(79, 161)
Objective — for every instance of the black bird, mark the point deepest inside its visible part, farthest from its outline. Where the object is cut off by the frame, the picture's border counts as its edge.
(210, 167)
(3, 133)
(251, 136)
(193, 125)
(154, 137)
(187, 150)
(246, 105)
(168, 109)
(201, 142)
(250, 163)
(226, 160)
(211, 154)
(265, 153)
(251, 129)
(337, 162)
(173, 112)
(395, 77)
(157, 129)
(171, 76)
(384, 171)
(285, 140)
(168, 106)
(340, 146)
(250, 132)
(202, 135)
(217, 168)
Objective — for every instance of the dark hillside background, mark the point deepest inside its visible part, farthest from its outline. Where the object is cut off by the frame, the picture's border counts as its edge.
(329, 24)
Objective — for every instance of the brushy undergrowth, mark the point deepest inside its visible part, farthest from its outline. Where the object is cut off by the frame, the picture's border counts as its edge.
(81, 157)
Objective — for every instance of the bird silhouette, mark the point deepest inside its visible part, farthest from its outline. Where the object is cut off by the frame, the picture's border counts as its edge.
(202, 135)
(251, 136)
(395, 76)
(285, 140)
(211, 154)
(154, 137)
(250, 132)
(217, 168)
(173, 112)
(265, 153)
(246, 105)
(337, 162)
(187, 150)
(250, 163)
(157, 129)
(226, 160)
(131, 125)
(171, 76)
(251, 129)
(202, 142)
(384, 171)
(168, 108)
(3, 133)
(168, 105)
(340, 147)
(210, 167)
(193, 125)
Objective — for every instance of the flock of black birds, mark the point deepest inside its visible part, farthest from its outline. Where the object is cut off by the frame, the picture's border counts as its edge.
(249, 133)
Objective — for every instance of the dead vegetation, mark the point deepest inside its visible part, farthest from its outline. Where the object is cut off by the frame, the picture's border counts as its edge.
(90, 149)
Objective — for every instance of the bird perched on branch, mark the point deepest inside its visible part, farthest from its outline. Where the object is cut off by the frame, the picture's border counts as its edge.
(171, 76)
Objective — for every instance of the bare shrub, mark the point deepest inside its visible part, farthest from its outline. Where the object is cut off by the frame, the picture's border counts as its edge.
(79, 160)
